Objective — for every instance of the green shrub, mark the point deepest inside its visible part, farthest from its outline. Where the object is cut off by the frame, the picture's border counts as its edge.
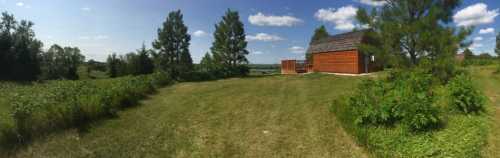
(403, 97)
(42, 108)
(464, 95)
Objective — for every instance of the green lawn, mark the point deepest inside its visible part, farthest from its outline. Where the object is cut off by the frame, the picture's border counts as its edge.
(276, 116)
(273, 116)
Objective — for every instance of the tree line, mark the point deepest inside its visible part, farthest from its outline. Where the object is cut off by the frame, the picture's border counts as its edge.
(22, 57)
(170, 53)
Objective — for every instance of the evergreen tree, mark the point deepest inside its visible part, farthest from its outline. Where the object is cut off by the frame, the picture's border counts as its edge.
(229, 47)
(113, 63)
(146, 65)
(410, 31)
(172, 46)
(319, 33)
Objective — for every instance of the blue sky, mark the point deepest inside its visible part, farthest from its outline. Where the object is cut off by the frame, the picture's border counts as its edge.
(276, 29)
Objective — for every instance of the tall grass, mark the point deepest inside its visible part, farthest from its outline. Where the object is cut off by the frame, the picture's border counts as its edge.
(43, 108)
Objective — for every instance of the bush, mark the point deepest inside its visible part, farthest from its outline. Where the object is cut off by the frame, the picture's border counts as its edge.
(464, 95)
(403, 97)
(43, 108)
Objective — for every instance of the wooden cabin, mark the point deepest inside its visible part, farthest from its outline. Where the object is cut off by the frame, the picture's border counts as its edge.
(295, 67)
(340, 54)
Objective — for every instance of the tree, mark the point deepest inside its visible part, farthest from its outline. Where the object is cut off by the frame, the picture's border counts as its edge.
(61, 63)
(410, 31)
(172, 46)
(206, 63)
(319, 33)
(497, 50)
(113, 63)
(468, 54)
(146, 65)
(229, 47)
(19, 50)
(73, 59)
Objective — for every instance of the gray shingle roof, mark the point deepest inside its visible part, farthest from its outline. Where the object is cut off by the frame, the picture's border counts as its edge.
(340, 42)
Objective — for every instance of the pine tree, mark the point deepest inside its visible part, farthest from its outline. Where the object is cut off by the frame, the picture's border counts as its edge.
(229, 47)
(145, 63)
(172, 46)
(410, 31)
(319, 33)
(113, 63)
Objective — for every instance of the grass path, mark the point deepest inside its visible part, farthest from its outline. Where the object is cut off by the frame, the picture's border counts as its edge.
(491, 86)
(280, 116)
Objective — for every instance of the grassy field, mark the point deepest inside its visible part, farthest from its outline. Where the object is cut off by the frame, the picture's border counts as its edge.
(277, 116)
(274, 116)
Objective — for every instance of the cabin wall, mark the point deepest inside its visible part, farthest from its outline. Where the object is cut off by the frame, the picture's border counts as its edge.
(288, 67)
(338, 62)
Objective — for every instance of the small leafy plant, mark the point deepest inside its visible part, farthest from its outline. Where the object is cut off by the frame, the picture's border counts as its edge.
(464, 95)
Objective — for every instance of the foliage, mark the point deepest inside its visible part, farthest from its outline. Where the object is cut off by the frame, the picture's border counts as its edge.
(229, 46)
(19, 50)
(114, 64)
(43, 108)
(497, 51)
(468, 54)
(405, 33)
(61, 63)
(319, 33)
(172, 46)
(465, 96)
(404, 97)
(207, 63)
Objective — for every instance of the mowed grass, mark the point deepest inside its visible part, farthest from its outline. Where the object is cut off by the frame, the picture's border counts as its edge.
(491, 85)
(275, 116)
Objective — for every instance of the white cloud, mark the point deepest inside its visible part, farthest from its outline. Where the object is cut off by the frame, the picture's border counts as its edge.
(297, 49)
(199, 33)
(264, 37)
(474, 15)
(478, 39)
(86, 9)
(260, 19)
(372, 2)
(20, 4)
(486, 31)
(343, 17)
(476, 45)
(257, 52)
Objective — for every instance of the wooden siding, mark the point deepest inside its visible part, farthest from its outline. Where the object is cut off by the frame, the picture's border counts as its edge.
(288, 67)
(338, 62)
